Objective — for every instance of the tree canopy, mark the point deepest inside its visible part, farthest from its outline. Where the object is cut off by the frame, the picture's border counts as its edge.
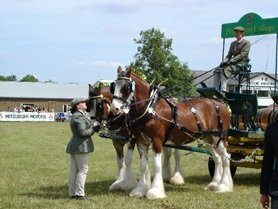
(26, 78)
(8, 78)
(154, 57)
(29, 78)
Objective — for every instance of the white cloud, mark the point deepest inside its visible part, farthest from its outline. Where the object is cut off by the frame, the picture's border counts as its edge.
(99, 64)
(108, 64)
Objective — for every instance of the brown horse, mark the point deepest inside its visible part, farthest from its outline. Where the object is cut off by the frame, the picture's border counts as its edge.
(266, 116)
(148, 113)
(99, 105)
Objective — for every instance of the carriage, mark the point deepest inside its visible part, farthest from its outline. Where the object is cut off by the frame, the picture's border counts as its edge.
(143, 109)
(248, 123)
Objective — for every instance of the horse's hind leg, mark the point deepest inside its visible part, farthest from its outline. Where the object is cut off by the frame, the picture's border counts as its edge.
(218, 170)
(177, 178)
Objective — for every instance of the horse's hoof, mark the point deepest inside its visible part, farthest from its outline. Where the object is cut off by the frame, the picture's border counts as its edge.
(177, 179)
(138, 192)
(123, 185)
(129, 185)
(222, 188)
(115, 186)
(155, 193)
(212, 186)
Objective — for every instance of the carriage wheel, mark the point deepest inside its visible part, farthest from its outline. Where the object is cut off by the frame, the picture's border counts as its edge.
(211, 167)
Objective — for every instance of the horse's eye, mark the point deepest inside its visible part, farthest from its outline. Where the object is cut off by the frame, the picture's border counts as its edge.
(128, 87)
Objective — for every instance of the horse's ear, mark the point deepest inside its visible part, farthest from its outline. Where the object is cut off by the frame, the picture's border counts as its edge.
(91, 88)
(128, 73)
(92, 91)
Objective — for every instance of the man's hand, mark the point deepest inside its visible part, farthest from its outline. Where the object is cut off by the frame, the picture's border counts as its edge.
(225, 63)
(264, 201)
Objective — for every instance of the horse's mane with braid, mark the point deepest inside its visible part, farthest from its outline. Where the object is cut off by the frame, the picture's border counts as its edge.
(138, 74)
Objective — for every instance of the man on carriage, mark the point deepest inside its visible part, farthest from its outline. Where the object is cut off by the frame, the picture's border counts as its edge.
(235, 61)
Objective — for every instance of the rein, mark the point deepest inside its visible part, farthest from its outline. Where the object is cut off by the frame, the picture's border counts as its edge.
(151, 101)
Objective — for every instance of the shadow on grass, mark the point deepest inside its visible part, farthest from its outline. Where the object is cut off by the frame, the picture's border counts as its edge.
(248, 179)
(102, 187)
(61, 192)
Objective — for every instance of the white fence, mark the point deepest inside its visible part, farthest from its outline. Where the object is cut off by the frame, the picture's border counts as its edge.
(27, 116)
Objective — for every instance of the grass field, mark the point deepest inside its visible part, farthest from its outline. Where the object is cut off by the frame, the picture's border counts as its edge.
(34, 169)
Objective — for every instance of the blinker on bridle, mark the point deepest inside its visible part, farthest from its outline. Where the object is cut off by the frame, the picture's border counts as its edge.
(120, 98)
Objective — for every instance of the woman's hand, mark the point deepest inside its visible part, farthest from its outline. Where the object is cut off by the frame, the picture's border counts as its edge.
(265, 201)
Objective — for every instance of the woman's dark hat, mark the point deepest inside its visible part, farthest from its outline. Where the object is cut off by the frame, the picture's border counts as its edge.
(76, 101)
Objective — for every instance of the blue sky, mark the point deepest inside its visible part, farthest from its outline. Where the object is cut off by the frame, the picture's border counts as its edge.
(85, 40)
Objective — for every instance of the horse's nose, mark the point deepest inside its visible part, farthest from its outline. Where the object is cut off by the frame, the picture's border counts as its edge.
(115, 110)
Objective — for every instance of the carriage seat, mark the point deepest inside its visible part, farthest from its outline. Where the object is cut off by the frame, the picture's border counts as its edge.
(243, 70)
(211, 93)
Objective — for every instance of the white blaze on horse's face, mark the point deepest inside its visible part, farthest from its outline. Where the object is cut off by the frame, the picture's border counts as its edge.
(118, 103)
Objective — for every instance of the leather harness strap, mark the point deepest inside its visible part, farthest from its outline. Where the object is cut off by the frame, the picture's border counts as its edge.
(191, 133)
(174, 123)
(194, 112)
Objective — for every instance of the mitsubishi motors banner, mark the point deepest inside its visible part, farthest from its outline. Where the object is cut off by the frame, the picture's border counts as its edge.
(27, 116)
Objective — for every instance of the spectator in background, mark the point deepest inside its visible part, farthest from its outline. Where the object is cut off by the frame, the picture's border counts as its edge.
(79, 147)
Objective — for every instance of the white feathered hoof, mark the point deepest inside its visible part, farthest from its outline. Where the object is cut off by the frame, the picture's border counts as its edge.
(212, 186)
(177, 179)
(123, 185)
(115, 186)
(129, 184)
(156, 193)
(138, 192)
(222, 188)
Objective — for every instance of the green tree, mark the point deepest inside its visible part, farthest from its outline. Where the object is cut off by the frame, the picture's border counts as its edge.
(8, 78)
(154, 57)
(29, 78)
(11, 78)
(2, 78)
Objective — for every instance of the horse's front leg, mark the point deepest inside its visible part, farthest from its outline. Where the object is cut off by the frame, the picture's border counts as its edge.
(125, 180)
(218, 170)
(226, 182)
(145, 179)
(129, 181)
(157, 188)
